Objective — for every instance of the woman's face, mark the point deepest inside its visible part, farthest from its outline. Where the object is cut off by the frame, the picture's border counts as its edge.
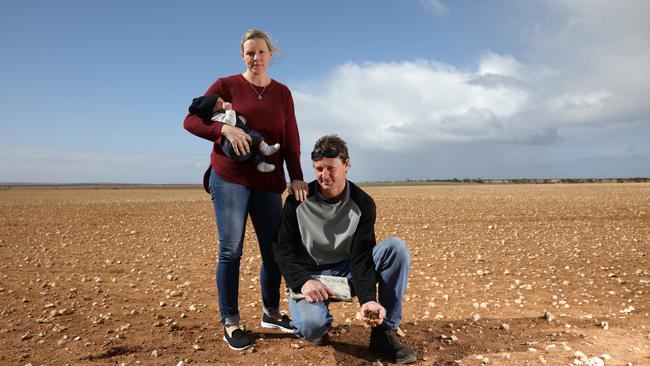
(256, 55)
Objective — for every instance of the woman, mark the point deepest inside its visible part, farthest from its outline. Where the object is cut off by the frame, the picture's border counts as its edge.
(239, 189)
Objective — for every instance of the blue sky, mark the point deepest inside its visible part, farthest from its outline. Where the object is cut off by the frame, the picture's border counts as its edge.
(421, 89)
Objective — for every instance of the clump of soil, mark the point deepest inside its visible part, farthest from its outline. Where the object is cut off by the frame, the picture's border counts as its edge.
(372, 315)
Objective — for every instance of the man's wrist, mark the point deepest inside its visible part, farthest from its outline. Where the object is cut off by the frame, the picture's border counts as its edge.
(363, 301)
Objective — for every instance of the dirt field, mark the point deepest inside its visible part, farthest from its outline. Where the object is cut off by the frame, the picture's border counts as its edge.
(502, 275)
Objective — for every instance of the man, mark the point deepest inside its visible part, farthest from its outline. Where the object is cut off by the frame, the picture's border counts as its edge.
(332, 233)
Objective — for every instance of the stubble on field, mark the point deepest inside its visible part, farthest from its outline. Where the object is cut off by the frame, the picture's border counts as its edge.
(501, 274)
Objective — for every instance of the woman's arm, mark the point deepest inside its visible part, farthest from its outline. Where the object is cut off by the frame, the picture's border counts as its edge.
(292, 138)
(199, 127)
(297, 187)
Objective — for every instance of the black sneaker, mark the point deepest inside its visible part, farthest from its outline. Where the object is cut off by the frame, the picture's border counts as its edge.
(283, 324)
(323, 341)
(384, 342)
(239, 341)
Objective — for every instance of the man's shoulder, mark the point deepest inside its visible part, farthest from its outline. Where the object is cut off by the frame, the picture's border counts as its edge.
(291, 199)
(361, 197)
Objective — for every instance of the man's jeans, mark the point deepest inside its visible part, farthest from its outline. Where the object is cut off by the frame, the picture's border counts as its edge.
(232, 204)
(392, 263)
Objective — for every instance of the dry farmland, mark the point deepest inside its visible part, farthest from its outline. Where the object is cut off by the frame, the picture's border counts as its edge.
(502, 275)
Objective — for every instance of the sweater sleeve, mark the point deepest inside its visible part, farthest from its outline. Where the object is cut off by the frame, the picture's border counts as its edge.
(292, 148)
(288, 243)
(364, 276)
(199, 127)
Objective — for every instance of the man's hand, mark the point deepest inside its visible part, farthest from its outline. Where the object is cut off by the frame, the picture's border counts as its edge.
(372, 313)
(315, 291)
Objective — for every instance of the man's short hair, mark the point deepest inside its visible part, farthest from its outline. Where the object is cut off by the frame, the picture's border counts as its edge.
(333, 142)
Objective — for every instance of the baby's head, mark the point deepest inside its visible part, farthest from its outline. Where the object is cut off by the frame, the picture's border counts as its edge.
(222, 104)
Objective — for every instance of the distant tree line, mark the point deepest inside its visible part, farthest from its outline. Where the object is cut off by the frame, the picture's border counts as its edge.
(513, 181)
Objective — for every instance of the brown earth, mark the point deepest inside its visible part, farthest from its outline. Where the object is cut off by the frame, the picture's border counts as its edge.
(126, 276)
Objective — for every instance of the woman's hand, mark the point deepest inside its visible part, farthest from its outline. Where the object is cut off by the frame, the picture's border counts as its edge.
(240, 140)
(299, 189)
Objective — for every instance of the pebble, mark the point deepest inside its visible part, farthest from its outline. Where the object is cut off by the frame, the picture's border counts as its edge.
(59, 328)
(595, 361)
(548, 316)
(156, 353)
(580, 356)
(400, 332)
(175, 293)
(66, 311)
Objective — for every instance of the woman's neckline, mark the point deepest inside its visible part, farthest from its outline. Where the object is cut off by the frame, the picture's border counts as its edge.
(267, 82)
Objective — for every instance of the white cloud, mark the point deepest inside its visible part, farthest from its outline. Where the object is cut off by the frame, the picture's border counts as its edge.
(493, 64)
(414, 103)
(435, 7)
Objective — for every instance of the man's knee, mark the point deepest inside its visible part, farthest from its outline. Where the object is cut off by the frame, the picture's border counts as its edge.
(311, 326)
(398, 250)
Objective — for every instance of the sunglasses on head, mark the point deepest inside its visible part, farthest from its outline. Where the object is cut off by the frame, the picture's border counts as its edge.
(318, 154)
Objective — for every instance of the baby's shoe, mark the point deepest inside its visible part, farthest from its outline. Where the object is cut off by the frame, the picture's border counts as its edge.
(265, 167)
(267, 149)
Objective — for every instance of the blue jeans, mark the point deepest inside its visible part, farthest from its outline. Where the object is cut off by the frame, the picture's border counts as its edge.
(232, 204)
(392, 262)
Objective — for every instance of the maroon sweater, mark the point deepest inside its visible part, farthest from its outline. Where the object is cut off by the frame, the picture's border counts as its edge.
(273, 117)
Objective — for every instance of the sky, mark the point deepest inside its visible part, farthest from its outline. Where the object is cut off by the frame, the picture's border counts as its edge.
(96, 91)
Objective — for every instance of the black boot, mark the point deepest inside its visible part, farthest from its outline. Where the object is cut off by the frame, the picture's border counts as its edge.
(384, 342)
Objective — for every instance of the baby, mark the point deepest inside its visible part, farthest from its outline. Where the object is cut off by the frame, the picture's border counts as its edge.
(204, 107)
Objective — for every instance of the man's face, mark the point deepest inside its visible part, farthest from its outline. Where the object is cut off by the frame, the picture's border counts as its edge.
(330, 175)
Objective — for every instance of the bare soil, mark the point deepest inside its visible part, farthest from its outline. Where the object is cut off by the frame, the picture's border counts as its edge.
(501, 275)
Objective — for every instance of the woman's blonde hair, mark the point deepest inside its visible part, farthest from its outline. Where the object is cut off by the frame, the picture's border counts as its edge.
(258, 33)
